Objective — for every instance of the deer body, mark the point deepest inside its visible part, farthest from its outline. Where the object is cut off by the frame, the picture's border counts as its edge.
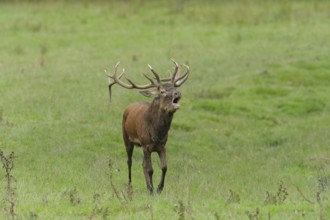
(147, 124)
(144, 124)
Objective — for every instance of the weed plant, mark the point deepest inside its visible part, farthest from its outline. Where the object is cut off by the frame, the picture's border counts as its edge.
(10, 199)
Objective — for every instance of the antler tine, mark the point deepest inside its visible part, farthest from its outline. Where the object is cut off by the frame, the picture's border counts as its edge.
(180, 80)
(166, 79)
(175, 71)
(156, 75)
(112, 79)
(111, 83)
(172, 76)
(151, 81)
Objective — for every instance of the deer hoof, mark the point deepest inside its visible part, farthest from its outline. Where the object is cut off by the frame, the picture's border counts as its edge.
(150, 190)
(159, 189)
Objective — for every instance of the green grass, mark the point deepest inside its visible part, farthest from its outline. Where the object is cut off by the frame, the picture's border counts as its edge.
(254, 118)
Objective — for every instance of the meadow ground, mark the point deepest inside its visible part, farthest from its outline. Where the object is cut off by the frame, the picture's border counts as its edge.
(251, 140)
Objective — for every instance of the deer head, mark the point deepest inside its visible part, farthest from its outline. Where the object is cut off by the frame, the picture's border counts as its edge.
(164, 89)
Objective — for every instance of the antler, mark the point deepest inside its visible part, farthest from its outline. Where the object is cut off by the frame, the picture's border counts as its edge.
(174, 79)
(181, 79)
(177, 81)
(113, 79)
(175, 70)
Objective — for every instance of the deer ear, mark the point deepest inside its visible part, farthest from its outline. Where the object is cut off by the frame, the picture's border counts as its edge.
(148, 93)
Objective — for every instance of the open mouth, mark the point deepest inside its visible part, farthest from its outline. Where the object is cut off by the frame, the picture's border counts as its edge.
(176, 103)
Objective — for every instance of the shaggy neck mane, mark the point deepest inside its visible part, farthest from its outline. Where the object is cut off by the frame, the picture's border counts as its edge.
(159, 119)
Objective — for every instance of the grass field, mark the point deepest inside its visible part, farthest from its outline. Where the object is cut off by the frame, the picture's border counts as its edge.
(251, 140)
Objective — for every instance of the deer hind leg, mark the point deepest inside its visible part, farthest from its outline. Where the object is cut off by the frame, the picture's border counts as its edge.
(162, 156)
(148, 171)
(129, 150)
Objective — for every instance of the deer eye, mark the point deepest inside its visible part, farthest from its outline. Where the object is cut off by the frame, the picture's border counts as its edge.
(163, 92)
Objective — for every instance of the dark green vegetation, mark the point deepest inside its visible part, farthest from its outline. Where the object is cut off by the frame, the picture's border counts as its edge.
(251, 140)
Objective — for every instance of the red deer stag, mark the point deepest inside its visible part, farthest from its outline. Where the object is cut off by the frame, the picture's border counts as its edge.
(147, 124)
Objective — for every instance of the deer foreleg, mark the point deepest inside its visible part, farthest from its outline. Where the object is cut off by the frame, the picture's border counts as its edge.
(148, 171)
(162, 156)
(129, 150)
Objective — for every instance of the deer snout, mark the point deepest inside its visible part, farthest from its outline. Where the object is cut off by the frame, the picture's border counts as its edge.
(177, 94)
(176, 99)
